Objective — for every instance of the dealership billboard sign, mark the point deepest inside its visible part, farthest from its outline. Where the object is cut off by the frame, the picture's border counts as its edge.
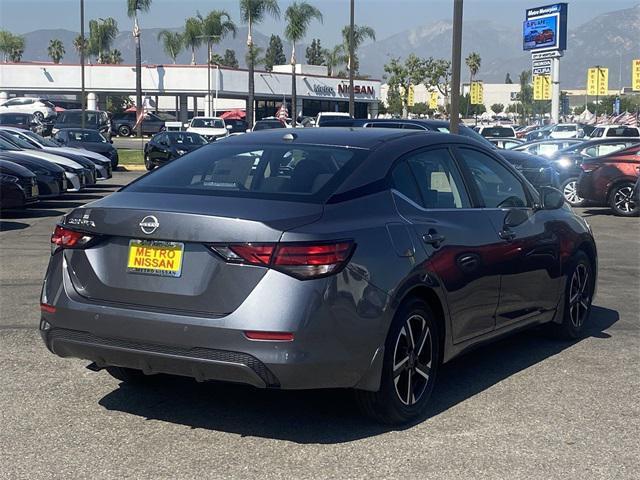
(545, 28)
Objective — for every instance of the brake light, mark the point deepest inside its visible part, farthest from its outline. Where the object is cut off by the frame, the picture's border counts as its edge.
(65, 238)
(47, 308)
(300, 260)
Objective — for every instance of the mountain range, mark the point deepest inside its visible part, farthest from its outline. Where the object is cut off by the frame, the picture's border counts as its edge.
(610, 40)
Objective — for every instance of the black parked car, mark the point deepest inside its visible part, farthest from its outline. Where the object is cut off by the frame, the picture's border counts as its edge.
(26, 121)
(18, 185)
(89, 140)
(539, 171)
(50, 177)
(123, 124)
(167, 146)
(93, 119)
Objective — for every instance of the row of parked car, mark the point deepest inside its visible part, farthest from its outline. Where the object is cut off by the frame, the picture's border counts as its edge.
(33, 167)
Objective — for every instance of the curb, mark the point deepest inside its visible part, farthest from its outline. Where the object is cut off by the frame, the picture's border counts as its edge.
(131, 168)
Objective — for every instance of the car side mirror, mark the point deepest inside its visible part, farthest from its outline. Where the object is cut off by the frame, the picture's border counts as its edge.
(551, 198)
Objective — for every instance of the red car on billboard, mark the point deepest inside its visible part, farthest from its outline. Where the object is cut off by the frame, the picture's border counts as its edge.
(611, 179)
(545, 36)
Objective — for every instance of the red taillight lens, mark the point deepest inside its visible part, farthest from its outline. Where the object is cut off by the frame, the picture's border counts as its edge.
(65, 238)
(47, 308)
(254, 254)
(300, 260)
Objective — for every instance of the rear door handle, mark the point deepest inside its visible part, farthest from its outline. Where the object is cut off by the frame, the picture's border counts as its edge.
(433, 238)
(507, 235)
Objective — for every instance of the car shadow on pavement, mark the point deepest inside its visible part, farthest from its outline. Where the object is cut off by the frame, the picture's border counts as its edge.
(8, 226)
(31, 213)
(331, 416)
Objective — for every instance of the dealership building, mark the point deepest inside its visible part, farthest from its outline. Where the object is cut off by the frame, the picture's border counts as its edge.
(184, 89)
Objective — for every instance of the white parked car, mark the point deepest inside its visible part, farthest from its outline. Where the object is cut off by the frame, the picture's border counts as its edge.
(40, 108)
(566, 130)
(210, 128)
(602, 131)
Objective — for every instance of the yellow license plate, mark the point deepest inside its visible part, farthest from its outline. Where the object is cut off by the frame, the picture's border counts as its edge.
(155, 257)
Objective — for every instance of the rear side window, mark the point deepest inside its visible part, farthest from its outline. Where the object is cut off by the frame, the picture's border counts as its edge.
(307, 173)
(501, 132)
(597, 132)
(497, 185)
(622, 132)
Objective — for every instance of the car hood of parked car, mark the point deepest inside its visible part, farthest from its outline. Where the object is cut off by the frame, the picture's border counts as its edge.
(95, 147)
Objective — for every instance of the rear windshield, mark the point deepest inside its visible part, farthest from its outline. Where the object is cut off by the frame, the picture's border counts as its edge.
(86, 136)
(306, 173)
(267, 125)
(622, 132)
(91, 118)
(14, 119)
(186, 138)
(497, 132)
(330, 118)
(565, 128)
(207, 123)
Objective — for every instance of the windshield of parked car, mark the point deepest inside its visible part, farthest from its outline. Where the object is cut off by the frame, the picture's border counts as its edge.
(268, 124)
(14, 119)
(186, 138)
(565, 128)
(86, 136)
(307, 173)
(4, 145)
(207, 123)
(40, 139)
(16, 141)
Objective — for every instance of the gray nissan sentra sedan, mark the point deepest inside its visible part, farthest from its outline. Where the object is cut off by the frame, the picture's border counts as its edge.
(317, 258)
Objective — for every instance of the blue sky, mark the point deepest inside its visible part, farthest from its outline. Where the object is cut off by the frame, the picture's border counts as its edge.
(387, 17)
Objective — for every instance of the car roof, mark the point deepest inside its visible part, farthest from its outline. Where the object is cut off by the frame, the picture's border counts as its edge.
(367, 138)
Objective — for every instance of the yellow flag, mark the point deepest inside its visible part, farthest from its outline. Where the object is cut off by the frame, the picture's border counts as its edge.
(411, 97)
(433, 100)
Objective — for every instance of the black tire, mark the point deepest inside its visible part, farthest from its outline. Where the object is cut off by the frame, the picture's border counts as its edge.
(128, 375)
(576, 309)
(622, 201)
(569, 191)
(124, 130)
(147, 163)
(390, 404)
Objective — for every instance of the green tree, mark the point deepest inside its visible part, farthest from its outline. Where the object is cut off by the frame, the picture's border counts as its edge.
(216, 26)
(333, 59)
(11, 46)
(172, 43)
(253, 12)
(436, 73)
(133, 8)
(360, 34)
(395, 103)
(275, 53)
(298, 17)
(465, 102)
(497, 108)
(314, 53)
(401, 75)
(229, 59)
(102, 33)
(507, 79)
(118, 103)
(56, 50)
(192, 36)
(473, 61)
(113, 57)
(254, 55)
(526, 94)
(81, 44)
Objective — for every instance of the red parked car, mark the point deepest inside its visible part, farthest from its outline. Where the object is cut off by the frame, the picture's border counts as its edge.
(611, 178)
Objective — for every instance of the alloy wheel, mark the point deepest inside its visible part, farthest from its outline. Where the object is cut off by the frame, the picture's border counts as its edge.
(570, 192)
(623, 199)
(579, 295)
(412, 360)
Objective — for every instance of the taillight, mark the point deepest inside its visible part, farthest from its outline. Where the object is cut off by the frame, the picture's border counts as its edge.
(300, 260)
(65, 238)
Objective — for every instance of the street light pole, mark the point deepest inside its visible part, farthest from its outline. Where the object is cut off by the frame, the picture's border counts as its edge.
(351, 33)
(456, 62)
(83, 104)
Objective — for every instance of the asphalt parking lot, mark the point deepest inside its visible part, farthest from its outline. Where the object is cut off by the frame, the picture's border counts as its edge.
(526, 407)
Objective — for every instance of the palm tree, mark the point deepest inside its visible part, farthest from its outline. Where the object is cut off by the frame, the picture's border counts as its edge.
(172, 43)
(334, 58)
(298, 16)
(81, 44)
(215, 26)
(114, 57)
(56, 50)
(192, 36)
(254, 55)
(473, 61)
(360, 34)
(11, 46)
(133, 7)
(252, 12)
(102, 33)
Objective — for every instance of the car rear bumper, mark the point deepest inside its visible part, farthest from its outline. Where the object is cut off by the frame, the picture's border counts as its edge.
(333, 346)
